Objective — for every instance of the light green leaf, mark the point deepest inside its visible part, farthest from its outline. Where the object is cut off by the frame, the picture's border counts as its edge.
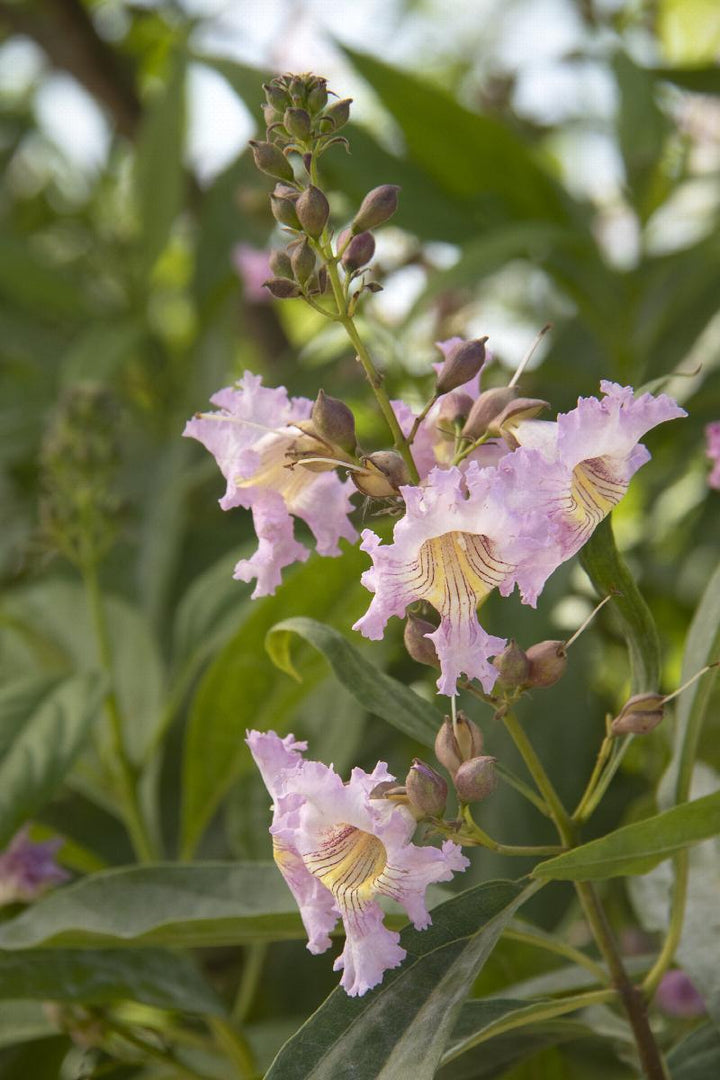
(209, 612)
(44, 748)
(23, 1021)
(697, 1057)
(400, 1028)
(642, 129)
(159, 178)
(639, 847)
(378, 693)
(18, 701)
(606, 569)
(100, 976)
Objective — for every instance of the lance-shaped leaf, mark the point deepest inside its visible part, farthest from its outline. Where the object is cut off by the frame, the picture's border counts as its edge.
(400, 1028)
(639, 847)
(698, 1056)
(378, 693)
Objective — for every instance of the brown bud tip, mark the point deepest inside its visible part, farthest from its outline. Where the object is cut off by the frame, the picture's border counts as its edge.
(359, 251)
(283, 201)
(426, 789)
(418, 644)
(384, 472)
(313, 211)
(548, 661)
(282, 289)
(514, 412)
(462, 363)
(338, 113)
(513, 665)
(377, 207)
(302, 261)
(297, 123)
(270, 159)
(475, 779)
(334, 422)
(639, 715)
(280, 264)
(453, 745)
(487, 406)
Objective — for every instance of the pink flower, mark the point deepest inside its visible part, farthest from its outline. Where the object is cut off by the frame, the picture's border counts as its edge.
(29, 869)
(338, 849)
(712, 436)
(250, 437)
(677, 996)
(253, 269)
(459, 539)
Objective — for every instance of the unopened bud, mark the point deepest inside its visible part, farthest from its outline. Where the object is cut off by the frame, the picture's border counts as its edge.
(418, 644)
(457, 743)
(280, 264)
(338, 113)
(426, 789)
(282, 289)
(475, 779)
(377, 207)
(270, 159)
(463, 363)
(487, 406)
(513, 665)
(639, 715)
(514, 412)
(297, 123)
(454, 408)
(334, 422)
(282, 203)
(297, 89)
(548, 661)
(317, 96)
(313, 211)
(302, 261)
(276, 97)
(359, 251)
(384, 472)
(390, 789)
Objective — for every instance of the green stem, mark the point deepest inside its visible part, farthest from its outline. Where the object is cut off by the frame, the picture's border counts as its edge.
(560, 948)
(234, 1046)
(582, 813)
(252, 970)
(522, 788)
(476, 835)
(132, 812)
(677, 918)
(153, 1051)
(419, 419)
(544, 784)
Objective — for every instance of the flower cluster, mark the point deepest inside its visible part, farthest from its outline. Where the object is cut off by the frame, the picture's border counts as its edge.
(339, 848)
(28, 869)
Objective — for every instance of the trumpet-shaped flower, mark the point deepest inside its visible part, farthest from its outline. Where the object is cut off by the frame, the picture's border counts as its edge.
(29, 869)
(251, 437)
(339, 849)
(459, 539)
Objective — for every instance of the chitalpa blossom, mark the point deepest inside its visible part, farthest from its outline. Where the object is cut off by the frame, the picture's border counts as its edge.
(339, 849)
(28, 869)
(712, 449)
(252, 437)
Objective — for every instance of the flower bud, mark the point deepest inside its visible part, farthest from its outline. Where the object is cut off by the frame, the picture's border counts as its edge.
(487, 406)
(458, 743)
(384, 473)
(297, 90)
(276, 97)
(454, 408)
(317, 96)
(302, 261)
(463, 363)
(280, 264)
(313, 210)
(270, 159)
(426, 790)
(515, 411)
(390, 789)
(282, 203)
(475, 779)
(639, 715)
(282, 289)
(377, 207)
(297, 123)
(338, 113)
(513, 665)
(548, 661)
(359, 251)
(334, 422)
(418, 644)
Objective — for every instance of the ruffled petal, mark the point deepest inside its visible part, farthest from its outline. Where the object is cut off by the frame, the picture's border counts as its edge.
(277, 546)
(370, 950)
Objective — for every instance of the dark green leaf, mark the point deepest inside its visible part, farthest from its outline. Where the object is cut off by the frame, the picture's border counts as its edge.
(44, 749)
(400, 1029)
(642, 129)
(703, 80)
(639, 847)
(23, 1021)
(378, 693)
(493, 1059)
(697, 1057)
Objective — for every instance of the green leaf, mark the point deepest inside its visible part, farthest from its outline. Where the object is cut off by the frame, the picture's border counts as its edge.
(44, 748)
(19, 700)
(24, 1021)
(172, 904)
(467, 154)
(400, 1028)
(639, 847)
(697, 1057)
(241, 688)
(101, 976)
(704, 79)
(208, 613)
(378, 693)
(492, 1059)
(607, 571)
(159, 177)
(642, 129)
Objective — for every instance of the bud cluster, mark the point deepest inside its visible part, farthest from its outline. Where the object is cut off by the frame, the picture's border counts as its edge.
(459, 747)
